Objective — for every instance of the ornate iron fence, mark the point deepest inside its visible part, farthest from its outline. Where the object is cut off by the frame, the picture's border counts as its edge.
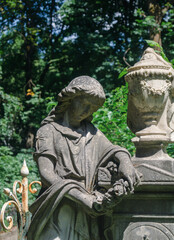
(24, 216)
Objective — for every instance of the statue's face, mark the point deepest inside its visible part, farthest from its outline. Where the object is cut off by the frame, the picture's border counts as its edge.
(81, 108)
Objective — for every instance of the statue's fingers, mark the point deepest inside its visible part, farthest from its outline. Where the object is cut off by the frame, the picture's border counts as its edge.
(125, 190)
(129, 179)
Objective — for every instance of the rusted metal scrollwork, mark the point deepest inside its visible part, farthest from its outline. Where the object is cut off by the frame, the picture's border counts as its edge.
(34, 190)
(24, 215)
(8, 218)
(18, 190)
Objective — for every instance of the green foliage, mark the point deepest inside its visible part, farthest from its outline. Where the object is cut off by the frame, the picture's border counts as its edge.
(112, 117)
(52, 42)
(50, 104)
(34, 109)
(17, 117)
(10, 167)
(10, 109)
(170, 150)
(154, 44)
(123, 73)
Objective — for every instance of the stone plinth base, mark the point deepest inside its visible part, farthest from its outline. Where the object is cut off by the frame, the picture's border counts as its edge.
(144, 216)
(148, 214)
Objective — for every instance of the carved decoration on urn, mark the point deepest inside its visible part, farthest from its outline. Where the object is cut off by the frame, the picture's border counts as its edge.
(150, 105)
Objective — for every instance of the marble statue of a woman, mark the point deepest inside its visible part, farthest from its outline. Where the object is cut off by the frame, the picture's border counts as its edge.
(69, 152)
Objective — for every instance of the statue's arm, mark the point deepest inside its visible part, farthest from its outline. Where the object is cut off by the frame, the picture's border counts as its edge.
(46, 170)
(81, 198)
(126, 169)
(92, 203)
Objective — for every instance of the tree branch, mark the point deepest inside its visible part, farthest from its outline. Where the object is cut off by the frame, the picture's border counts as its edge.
(124, 57)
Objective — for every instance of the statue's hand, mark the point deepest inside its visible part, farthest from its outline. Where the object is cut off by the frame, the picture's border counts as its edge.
(104, 203)
(111, 198)
(127, 171)
(121, 188)
(98, 202)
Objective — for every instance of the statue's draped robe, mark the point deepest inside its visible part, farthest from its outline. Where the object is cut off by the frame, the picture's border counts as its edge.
(77, 157)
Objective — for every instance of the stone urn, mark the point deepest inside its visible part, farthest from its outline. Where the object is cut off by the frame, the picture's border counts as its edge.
(150, 107)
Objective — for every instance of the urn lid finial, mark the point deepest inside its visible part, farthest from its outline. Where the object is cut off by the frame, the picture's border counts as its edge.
(151, 64)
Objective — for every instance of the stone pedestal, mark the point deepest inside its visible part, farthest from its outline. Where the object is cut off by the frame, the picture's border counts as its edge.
(148, 214)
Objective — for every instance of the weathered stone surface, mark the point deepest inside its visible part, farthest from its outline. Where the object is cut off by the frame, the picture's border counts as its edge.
(84, 176)
(144, 215)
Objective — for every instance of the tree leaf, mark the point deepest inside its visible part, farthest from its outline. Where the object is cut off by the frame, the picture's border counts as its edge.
(124, 72)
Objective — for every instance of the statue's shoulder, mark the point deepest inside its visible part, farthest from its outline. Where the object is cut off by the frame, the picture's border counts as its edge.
(100, 133)
(45, 129)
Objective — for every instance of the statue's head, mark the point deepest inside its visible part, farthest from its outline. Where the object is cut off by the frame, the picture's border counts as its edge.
(81, 86)
(77, 89)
